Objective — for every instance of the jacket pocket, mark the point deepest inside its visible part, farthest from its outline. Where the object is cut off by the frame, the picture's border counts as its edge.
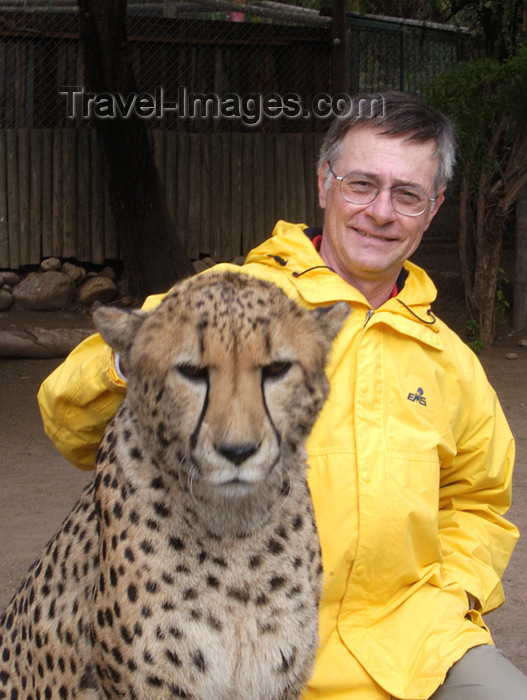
(413, 537)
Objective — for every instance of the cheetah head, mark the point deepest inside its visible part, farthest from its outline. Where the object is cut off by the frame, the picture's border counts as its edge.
(225, 381)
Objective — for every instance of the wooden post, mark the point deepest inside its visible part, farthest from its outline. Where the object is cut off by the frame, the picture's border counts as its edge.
(519, 304)
(97, 209)
(57, 218)
(13, 221)
(4, 232)
(36, 183)
(47, 193)
(23, 195)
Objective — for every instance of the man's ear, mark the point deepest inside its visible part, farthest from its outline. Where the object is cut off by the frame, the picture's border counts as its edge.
(118, 328)
(434, 207)
(439, 201)
(322, 176)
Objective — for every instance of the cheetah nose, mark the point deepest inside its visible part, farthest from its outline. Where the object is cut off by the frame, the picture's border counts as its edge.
(237, 453)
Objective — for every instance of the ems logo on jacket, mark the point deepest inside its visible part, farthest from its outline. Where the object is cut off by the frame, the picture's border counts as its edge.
(418, 396)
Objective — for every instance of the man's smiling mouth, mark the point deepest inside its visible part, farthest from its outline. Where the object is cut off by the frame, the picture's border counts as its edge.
(375, 238)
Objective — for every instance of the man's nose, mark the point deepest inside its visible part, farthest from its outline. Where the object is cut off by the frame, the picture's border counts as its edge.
(381, 209)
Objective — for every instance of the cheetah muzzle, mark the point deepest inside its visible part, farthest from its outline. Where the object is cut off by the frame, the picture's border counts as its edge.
(191, 567)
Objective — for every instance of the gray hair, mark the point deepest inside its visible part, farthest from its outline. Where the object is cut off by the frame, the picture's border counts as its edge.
(395, 114)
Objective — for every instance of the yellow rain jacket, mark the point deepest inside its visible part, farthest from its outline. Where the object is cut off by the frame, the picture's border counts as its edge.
(410, 470)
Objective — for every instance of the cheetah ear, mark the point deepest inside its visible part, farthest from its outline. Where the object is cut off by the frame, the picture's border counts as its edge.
(117, 327)
(332, 318)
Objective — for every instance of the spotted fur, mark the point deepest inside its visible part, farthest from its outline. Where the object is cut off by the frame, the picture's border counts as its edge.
(190, 568)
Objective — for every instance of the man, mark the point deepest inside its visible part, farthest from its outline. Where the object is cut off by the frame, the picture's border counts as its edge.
(411, 458)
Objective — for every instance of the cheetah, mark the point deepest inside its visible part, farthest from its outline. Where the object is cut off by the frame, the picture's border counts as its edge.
(190, 567)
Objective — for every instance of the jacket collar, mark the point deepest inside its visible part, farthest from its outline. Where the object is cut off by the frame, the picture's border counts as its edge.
(290, 248)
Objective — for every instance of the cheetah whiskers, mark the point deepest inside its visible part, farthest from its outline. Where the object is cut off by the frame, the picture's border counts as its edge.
(286, 488)
(189, 472)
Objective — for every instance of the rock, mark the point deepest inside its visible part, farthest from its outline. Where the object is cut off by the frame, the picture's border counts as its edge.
(76, 272)
(199, 266)
(523, 343)
(123, 287)
(44, 291)
(511, 356)
(239, 260)
(11, 278)
(50, 264)
(108, 272)
(101, 289)
(6, 299)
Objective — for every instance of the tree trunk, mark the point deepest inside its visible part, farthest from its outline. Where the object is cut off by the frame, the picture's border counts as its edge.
(481, 229)
(519, 305)
(152, 253)
(482, 235)
(485, 286)
(466, 244)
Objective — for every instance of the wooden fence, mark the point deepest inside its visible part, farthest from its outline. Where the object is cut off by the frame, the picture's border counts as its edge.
(40, 54)
(224, 192)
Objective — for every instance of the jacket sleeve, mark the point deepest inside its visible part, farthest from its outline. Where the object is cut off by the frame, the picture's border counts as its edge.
(475, 493)
(78, 400)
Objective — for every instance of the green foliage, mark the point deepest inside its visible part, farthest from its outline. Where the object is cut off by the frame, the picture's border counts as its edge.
(486, 101)
(502, 301)
(497, 24)
(474, 336)
(473, 327)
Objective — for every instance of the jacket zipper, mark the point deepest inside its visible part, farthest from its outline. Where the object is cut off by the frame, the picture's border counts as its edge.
(368, 316)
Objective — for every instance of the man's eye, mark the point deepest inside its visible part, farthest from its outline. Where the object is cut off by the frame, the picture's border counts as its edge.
(275, 370)
(192, 372)
(360, 185)
(409, 196)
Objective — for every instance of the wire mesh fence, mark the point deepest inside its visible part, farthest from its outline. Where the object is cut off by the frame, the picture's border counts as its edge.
(211, 65)
(236, 97)
(401, 54)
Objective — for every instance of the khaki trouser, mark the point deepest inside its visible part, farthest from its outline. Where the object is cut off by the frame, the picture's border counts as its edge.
(484, 673)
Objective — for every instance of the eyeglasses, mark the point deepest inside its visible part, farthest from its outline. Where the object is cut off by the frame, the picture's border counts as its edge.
(408, 200)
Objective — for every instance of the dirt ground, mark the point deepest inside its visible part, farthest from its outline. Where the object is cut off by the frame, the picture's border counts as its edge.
(38, 487)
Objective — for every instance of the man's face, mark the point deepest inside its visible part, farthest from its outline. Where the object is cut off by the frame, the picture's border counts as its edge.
(369, 243)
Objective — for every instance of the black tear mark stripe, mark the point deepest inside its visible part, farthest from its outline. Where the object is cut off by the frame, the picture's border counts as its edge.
(273, 426)
(195, 433)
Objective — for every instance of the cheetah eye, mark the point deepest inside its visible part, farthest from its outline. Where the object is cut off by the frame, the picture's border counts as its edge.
(275, 370)
(195, 374)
